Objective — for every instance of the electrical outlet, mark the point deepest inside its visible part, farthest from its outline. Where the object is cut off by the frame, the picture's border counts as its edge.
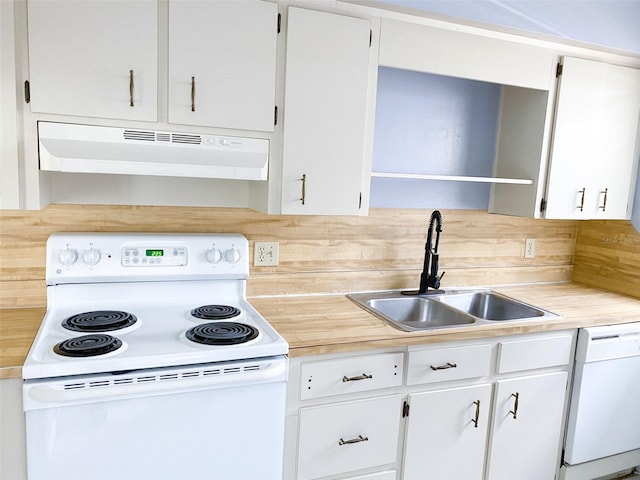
(265, 254)
(529, 248)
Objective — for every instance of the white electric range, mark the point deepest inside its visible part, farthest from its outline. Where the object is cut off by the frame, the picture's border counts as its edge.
(150, 337)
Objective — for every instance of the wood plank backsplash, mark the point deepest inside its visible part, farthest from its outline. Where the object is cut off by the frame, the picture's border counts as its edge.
(608, 256)
(318, 254)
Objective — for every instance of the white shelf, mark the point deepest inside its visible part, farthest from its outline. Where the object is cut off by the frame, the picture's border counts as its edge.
(453, 178)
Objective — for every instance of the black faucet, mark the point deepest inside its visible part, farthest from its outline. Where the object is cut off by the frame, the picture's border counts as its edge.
(429, 277)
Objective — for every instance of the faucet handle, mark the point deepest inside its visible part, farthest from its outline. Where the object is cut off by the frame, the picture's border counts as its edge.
(436, 281)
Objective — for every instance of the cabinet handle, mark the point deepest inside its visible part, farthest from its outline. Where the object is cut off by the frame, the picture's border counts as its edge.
(364, 376)
(304, 187)
(514, 412)
(358, 439)
(477, 416)
(581, 206)
(443, 367)
(131, 88)
(193, 94)
(603, 207)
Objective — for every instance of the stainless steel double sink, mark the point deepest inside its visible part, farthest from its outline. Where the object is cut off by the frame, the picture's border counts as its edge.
(452, 308)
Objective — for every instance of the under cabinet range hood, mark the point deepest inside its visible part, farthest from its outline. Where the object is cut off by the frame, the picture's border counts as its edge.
(75, 148)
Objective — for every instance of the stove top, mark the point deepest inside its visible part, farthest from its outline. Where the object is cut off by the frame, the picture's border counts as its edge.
(188, 311)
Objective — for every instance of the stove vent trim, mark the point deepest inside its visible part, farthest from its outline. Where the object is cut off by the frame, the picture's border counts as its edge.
(145, 378)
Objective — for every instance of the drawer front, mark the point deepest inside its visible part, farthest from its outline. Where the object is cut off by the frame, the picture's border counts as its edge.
(345, 437)
(349, 375)
(519, 355)
(444, 364)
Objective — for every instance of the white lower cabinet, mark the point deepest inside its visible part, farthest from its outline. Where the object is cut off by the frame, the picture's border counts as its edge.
(447, 434)
(527, 425)
(490, 409)
(13, 454)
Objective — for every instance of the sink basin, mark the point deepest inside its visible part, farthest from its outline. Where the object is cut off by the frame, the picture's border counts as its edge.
(491, 306)
(416, 313)
(445, 310)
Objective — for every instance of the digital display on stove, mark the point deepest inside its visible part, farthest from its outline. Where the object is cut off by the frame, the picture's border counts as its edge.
(158, 252)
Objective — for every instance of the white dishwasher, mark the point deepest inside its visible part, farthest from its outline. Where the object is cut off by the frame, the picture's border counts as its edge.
(604, 418)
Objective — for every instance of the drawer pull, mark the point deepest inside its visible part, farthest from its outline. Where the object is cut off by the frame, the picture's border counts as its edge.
(514, 412)
(477, 417)
(443, 367)
(364, 376)
(359, 439)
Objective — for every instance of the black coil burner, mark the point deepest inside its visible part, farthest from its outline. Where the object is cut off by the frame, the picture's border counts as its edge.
(215, 312)
(99, 321)
(221, 333)
(88, 346)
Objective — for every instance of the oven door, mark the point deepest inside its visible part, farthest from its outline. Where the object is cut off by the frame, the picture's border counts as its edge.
(212, 421)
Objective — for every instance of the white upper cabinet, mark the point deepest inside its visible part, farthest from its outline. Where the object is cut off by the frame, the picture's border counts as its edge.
(595, 142)
(326, 80)
(222, 63)
(454, 53)
(96, 58)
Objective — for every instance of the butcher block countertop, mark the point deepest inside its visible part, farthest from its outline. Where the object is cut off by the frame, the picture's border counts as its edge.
(319, 324)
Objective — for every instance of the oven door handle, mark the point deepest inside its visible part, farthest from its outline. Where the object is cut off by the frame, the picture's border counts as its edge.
(45, 394)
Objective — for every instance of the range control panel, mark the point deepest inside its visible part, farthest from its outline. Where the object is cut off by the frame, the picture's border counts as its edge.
(154, 255)
(103, 257)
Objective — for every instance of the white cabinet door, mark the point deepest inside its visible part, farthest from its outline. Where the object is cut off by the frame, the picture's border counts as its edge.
(324, 117)
(222, 63)
(9, 163)
(526, 428)
(446, 434)
(95, 59)
(594, 152)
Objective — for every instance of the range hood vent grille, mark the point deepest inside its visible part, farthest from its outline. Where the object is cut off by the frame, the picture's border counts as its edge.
(150, 136)
(182, 138)
(139, 135)
(93, 149)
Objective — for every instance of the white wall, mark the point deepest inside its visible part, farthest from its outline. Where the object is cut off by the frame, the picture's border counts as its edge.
(612, 23)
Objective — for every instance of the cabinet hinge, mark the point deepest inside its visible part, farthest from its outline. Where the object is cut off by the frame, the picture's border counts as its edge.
(543, 205)
(279, 22)
(275, 115)
(27, 91)
(370, 37)
(558, 69)
(405, 409)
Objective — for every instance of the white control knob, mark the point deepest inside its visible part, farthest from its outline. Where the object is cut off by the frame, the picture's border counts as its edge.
(213, 255)
(68, 256)
(91, 256)
(232, 255)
